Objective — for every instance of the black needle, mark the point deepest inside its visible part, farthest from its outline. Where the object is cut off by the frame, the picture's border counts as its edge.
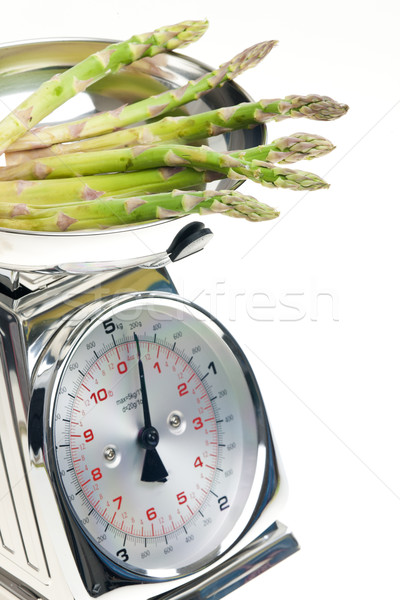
(153, 467)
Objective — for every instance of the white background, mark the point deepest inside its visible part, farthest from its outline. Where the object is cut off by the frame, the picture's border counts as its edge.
(312, 297)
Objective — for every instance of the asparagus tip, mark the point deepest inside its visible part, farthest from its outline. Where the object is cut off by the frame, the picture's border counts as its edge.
(299, 146)
(247, 58)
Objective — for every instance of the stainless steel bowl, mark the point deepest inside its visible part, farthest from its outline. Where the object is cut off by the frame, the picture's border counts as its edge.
(23, 67)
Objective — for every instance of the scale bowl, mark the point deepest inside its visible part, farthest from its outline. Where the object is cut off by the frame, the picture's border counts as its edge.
(23, 67)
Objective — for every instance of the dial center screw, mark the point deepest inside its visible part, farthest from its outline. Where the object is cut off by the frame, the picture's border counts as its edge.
(149, 437)
(109, 453)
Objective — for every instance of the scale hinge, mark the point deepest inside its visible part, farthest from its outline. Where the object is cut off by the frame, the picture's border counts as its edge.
(190, 239)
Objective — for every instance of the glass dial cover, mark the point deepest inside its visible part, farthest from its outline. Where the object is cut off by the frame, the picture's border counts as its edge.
(206, 432)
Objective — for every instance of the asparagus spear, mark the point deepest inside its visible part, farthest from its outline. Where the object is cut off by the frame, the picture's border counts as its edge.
(162, 179)
(76, 189)
(142, 157)
(290, 149)
(210, 123)
(103, 213)
(63, 86)
(145, 109)
(284, 150)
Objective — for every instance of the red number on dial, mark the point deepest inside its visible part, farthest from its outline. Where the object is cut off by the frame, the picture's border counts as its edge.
(122, 368)
(151, 514)
(157, 366)
(88, 435)
(119, 500)
(96, 474)
(181, 498)
(182, 389)
(198, 462)
(198, 423)
(99, 396)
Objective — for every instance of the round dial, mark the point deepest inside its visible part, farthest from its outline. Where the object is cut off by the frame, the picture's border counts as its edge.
(156, 436)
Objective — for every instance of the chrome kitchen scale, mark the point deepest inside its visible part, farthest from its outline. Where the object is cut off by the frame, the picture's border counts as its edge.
(136, 458)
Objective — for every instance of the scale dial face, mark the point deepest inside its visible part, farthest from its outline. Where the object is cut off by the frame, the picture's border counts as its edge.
(157, 436)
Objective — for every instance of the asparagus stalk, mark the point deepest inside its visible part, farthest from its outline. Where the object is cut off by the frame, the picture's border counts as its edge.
(63, 86)
(103, 213)
(284, 150)
(145, 109)
(76, 189)
(141, 158)
(163, 179)
(203, 125)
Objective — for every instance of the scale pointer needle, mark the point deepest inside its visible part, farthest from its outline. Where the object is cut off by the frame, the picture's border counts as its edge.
(153, 467)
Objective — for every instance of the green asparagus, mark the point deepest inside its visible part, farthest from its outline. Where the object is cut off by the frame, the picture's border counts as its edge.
(76, 189)
(102, 213)
(63, 86)
(109, 175)
(283, 150)
(145, 109)
(203, 125)
(287, 150)
(162, 179)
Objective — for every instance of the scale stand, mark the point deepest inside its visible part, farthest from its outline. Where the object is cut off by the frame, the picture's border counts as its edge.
(32, 306)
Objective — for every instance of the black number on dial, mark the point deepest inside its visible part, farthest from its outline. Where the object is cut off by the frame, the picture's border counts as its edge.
(109, 326)
(123, 555)
(212, 366)
(223, 503)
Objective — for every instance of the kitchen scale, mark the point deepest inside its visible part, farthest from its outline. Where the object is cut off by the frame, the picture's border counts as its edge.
(136, 458)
